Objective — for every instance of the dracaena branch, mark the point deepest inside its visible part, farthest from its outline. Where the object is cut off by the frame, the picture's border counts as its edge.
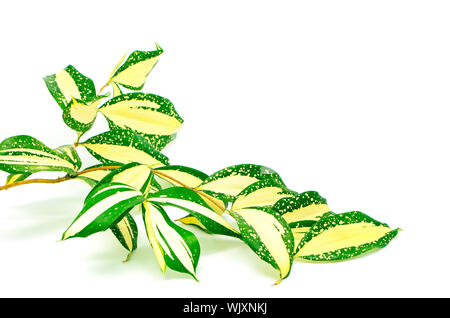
(57, 180)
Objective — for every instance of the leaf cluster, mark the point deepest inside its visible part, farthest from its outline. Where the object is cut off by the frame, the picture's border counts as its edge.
(248, 202)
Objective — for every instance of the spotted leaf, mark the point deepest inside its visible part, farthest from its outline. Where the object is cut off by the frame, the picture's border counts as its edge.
(147, 114)
(124, 146)
(173, 246)
(126, 232)
(133, 73)
(338, 237)
(268, 235)
(68, 84)
(262, 193)
(80, 116)
(25, 154)
(301, 211)
(227, 183)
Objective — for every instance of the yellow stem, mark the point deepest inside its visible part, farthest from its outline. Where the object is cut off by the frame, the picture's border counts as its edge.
(75, 144)
(103, 87)
(58, 180)
(79, 173)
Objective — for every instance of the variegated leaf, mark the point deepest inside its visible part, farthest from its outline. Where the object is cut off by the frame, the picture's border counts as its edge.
(116, 90)
(126, 232)
(173, 246)
(192, 220)
(70, 152)
(124, 146)
(227, 183)
(70, 83)
(268, 235)
(25, 154)
(190, 178)
(17, 177)
(146, 114)
(159, 142)
(262, 193)
(181, 175)
(338, 237)
(156, 141)
(80, 116)
(133, 174)
(193, 203)
(92, 178)
(301, 211)
(133, 73)
(104, 208)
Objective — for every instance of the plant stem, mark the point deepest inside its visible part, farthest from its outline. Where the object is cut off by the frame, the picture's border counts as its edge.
(58, 180)
(157, 172)
(79, 173)
(75, 144)
(103, 87)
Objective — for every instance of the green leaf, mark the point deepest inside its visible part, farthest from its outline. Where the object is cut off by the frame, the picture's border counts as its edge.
(133, 73)
(173, 246)
(25, 154)
(124, 146)
(262, 193)
(227, 183)
(104, 208)
(146, 114)
(268, 235)
(70, 83)
(126, 232)
(338, 237)
(192, 202)
(301, 211)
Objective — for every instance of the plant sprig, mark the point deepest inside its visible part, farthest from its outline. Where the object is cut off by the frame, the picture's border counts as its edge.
(277, 223)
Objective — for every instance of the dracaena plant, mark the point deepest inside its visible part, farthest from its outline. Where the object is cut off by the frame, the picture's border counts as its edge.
(248, 202)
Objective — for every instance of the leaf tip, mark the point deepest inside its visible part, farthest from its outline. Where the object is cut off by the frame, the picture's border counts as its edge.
(194, 276)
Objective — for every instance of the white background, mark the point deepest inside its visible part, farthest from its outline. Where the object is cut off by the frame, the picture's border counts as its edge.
(349, 98)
